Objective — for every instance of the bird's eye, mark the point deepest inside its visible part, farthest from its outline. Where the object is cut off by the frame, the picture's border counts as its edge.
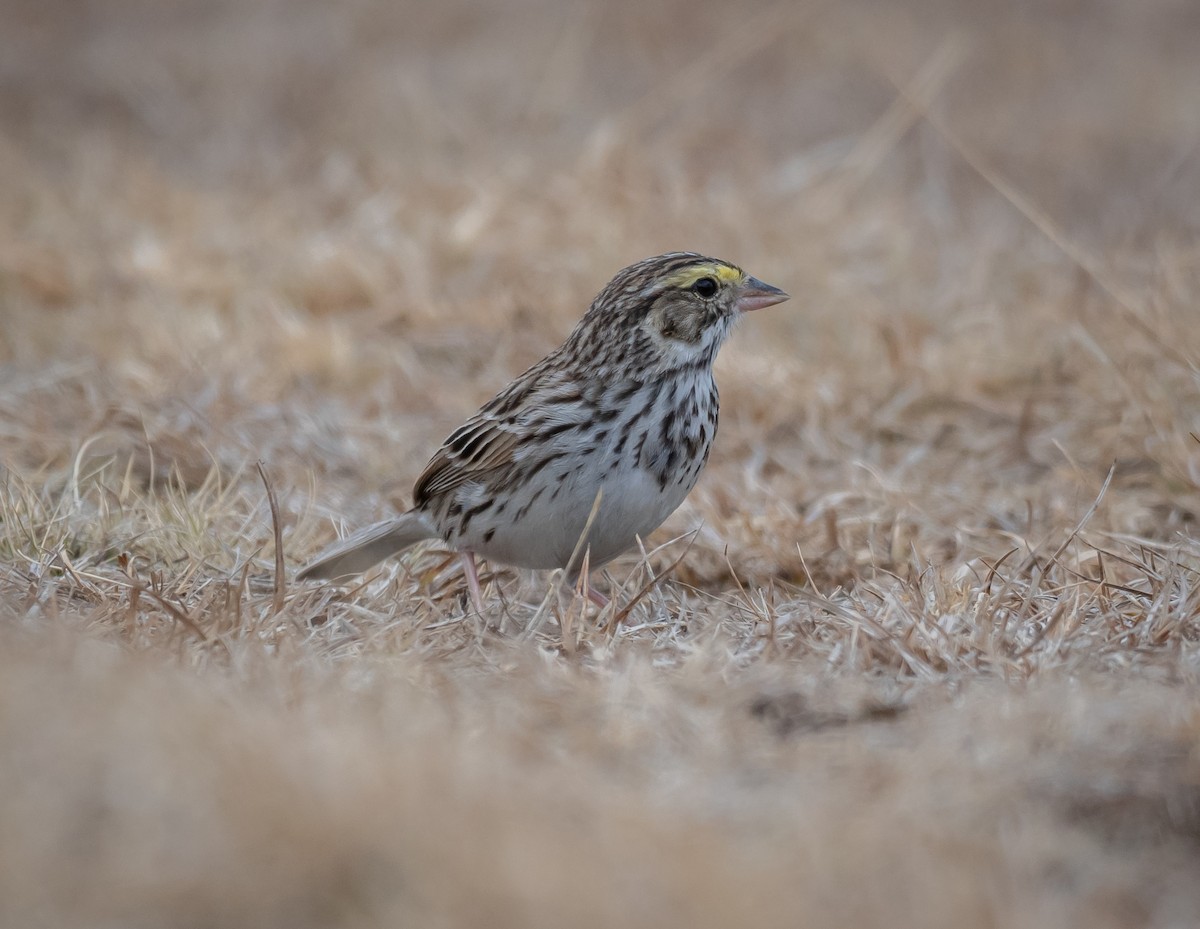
(705, 287)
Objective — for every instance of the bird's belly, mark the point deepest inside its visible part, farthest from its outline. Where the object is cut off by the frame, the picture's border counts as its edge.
(641, 452)
(541, 530)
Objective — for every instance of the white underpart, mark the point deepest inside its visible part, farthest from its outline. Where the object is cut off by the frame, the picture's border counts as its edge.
(633, 503)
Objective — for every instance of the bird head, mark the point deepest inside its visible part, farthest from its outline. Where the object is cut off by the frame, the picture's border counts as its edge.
(679, 307)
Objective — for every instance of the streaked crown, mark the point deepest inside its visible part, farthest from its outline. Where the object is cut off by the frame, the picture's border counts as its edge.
(675, 308)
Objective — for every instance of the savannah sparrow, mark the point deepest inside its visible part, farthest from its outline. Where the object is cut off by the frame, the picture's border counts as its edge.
(619, 419)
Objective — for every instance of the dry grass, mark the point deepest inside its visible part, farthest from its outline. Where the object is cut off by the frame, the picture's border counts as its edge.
(931, 657)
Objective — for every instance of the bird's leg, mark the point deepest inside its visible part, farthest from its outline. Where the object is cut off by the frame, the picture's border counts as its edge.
(581, 583)
(468, 563)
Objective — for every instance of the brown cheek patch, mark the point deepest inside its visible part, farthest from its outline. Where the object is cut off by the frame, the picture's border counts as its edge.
(681, 324)
(692, 327)
(678, 322)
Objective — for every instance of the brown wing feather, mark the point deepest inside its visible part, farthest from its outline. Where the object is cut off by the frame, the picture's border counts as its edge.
(479, 446)
(486, 441)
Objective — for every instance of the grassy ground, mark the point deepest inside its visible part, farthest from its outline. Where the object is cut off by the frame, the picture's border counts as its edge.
(930, 658)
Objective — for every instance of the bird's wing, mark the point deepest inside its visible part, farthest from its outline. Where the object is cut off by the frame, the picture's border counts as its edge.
(482, 444)
(490, 439)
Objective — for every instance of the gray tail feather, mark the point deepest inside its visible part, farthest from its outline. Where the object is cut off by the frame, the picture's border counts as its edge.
(367, 547)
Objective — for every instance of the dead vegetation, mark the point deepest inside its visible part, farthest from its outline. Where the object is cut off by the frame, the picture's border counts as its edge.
(929, 657)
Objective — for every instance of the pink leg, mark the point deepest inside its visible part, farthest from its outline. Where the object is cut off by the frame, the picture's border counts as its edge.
(596, 597)
(468, 563)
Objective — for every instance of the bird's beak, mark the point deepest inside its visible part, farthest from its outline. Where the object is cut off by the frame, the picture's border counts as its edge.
(755, 295)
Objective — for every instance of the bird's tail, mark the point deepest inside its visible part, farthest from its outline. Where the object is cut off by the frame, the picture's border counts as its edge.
(369, 546)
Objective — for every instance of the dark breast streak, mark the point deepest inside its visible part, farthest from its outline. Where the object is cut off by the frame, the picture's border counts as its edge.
(674, 441)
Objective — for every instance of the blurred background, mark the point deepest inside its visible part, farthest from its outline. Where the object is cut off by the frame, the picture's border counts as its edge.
(891, 683)
(421, 157)
(358, 220)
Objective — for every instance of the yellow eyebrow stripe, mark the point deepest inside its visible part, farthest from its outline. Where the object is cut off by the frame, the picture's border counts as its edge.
(689, 275)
